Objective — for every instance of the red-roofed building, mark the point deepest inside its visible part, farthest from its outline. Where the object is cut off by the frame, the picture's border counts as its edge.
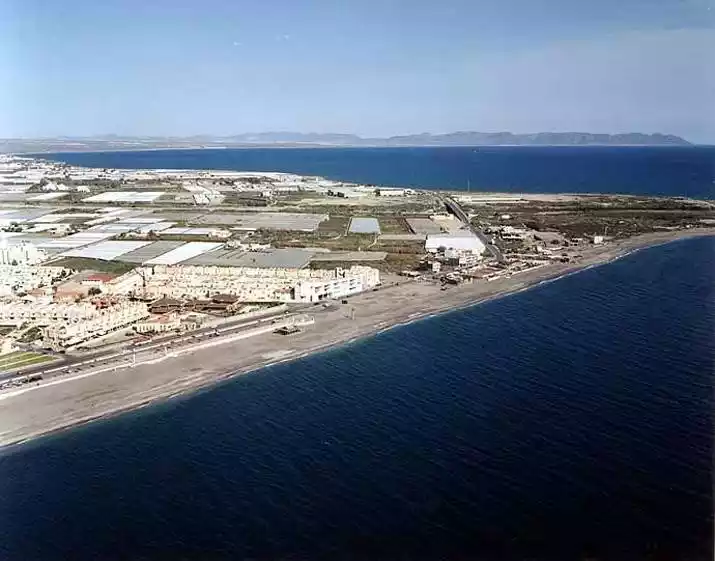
(97, 280)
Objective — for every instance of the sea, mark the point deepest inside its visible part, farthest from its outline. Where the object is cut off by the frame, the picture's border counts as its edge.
(570, 421)
(687, 171)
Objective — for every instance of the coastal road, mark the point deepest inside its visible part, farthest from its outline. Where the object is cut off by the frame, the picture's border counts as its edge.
(454, 207)
(154, 352)
(74, 364)
(126, 353)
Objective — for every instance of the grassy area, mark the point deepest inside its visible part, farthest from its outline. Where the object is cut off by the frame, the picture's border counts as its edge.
(393, 263)
(333, 241)
(85, 264)
(401, 247)
(21, 359)
(16, 355)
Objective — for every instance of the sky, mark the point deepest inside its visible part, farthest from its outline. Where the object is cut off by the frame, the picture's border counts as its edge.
(367, 67)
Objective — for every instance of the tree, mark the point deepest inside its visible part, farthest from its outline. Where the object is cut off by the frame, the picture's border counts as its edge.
(94, 291)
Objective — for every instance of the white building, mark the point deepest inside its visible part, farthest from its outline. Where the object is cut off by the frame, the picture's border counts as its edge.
(7, 345)
(251, 284)
(159, 324)
(388, 192)
(344, 192)
(464, 242)
(22, 254)
(125, 284)
(95, 323)
(345, 283)
(23, 278)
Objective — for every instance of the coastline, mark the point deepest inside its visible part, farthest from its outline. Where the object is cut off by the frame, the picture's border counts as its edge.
(43, 411)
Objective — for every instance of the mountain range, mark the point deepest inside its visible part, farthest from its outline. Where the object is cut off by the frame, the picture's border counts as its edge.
(288, 139)
(465, 138)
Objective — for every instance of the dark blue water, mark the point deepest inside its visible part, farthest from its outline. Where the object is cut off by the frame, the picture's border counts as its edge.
(658, 170)
(571, 421)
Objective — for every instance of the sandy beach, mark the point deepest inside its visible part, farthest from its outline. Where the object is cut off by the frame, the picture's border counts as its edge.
(76, 400)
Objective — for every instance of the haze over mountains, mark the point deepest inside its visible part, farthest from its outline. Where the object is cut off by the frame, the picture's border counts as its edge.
(468, 138)
(287, 139)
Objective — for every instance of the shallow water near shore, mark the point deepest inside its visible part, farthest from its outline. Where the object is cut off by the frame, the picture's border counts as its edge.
(570, 420)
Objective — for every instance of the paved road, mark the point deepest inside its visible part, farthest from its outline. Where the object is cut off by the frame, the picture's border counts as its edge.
(127, 353)
(75, 363)
(458, 211)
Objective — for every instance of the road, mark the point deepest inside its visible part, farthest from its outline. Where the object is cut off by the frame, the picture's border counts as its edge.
(454, 207)
(74, 363)
(166, 344)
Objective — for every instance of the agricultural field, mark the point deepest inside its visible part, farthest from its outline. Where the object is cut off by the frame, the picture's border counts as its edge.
(336, 224)
(85, 264)
(394, 225)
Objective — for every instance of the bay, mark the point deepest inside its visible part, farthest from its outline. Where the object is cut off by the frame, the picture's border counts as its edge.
(687, 171)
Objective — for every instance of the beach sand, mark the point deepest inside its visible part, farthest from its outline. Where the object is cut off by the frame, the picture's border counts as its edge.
(56, 406)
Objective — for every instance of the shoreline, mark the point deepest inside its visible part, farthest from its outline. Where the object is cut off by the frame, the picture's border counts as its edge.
(39, 412)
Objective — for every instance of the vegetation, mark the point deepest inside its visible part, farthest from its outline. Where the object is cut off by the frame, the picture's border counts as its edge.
(31, 335)
(393, 263)
(21, 359)
(394, 225)
(85, 264)
(336, 224)
(616, 216)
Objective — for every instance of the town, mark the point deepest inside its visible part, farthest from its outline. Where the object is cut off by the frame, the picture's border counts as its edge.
(100, 260)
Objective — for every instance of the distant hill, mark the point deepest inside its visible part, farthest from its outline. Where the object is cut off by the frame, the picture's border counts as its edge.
(542, 139)
(293, 139)
(297, 137)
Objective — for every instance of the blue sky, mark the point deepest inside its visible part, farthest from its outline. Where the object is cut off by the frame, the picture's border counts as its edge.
(370, 67)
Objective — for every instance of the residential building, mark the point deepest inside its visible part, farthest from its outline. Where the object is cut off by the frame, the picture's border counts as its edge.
(257, 284)
(23, 278)
(21, 254)
(159, 324)
(63, 333)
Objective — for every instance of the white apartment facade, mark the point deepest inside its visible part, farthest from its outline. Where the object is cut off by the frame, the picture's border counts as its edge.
(21, 254)
(62, 334)
(23, 278)
(258, 284)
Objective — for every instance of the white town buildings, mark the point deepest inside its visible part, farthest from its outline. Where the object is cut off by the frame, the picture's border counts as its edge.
(22, 254)
(95, 323)
(258, 284)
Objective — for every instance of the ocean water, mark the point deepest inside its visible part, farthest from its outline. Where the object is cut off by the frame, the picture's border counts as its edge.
(570, 421)
(654, 170)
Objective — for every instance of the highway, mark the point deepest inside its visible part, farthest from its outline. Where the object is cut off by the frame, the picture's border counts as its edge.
(454, 207)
